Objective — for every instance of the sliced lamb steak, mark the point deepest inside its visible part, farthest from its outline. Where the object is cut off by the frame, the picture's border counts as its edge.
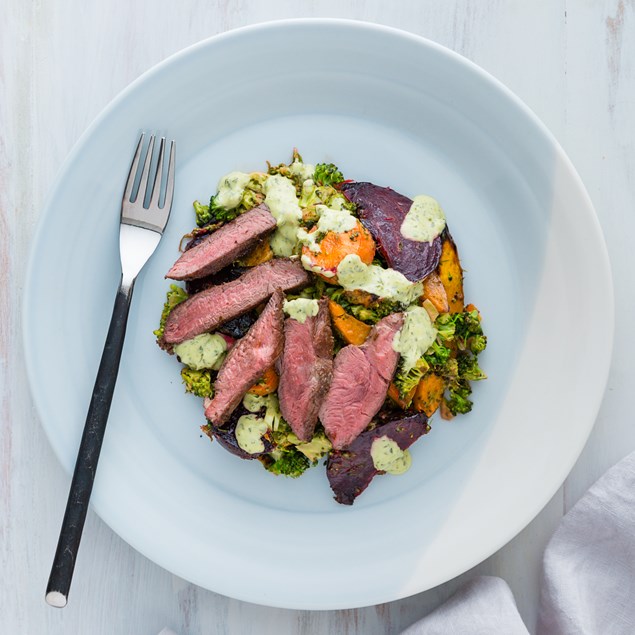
(351, 470)
(361, 375)
(306, 368)
(382, 211)
(247, 361)
(222, 247)
(205, 311)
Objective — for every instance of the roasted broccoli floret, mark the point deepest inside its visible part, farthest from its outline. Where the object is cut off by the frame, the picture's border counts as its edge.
(175, 295)
(212, 214)
(290, 463)
(439, 359)
(203, 214)
(285, 458)
(469, 332)
(296, 171)
(327, 174)
(216, 214)
(452, 356)
(468, 322)
(446, 325)
(314, 292)
(316, 448)
(309, 195)
(437, 356)
(458, 402)
(252, 197)
(314, 194)
(371, 311)
(198, 382)
(468, 367)
(220, 214)
(464, 328)
(374, 313)
(283, 168)
(407, 381)
(477, 343)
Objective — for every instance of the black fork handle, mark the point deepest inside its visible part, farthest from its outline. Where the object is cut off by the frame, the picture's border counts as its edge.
(88, 454)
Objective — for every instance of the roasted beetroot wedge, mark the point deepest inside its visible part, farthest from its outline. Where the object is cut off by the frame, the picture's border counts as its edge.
(382, 211)
(361, 375)
(351, 469)
(222, 247)
(226, 435)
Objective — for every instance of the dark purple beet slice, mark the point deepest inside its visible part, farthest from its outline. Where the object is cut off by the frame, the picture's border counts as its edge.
(351, 470)
(232, 272)
(226, 435)
(382, 211)
(239, 326)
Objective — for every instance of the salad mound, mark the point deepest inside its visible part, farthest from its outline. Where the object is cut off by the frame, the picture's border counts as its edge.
(321, 318)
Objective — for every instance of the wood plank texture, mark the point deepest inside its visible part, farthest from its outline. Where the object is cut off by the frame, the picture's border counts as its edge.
(572, 62)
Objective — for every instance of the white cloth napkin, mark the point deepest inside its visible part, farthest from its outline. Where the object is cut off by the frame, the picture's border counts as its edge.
(483, 606)
(588, 585)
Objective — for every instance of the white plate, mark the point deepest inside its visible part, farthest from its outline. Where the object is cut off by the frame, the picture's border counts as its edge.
(387, 107)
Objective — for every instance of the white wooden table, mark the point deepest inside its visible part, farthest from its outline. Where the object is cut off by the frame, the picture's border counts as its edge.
(571, 61)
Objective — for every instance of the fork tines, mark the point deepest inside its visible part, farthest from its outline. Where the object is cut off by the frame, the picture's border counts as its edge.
(134, 211)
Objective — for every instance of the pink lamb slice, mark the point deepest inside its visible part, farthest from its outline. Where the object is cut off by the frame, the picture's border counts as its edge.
(361, 376)
(225, 245)
(205, 311)
(248, 359)
(306, 368)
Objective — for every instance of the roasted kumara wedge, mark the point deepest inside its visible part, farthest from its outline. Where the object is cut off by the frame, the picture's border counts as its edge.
(352, 330)
(451, 274)
(434, 290)
(429, 394)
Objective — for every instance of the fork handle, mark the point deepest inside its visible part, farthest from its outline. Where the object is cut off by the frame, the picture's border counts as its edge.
(88, 454)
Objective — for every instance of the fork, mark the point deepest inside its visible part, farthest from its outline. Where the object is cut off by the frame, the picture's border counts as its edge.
(140, 231)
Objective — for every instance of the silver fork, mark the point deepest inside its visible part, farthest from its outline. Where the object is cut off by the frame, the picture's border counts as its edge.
(140, 231)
